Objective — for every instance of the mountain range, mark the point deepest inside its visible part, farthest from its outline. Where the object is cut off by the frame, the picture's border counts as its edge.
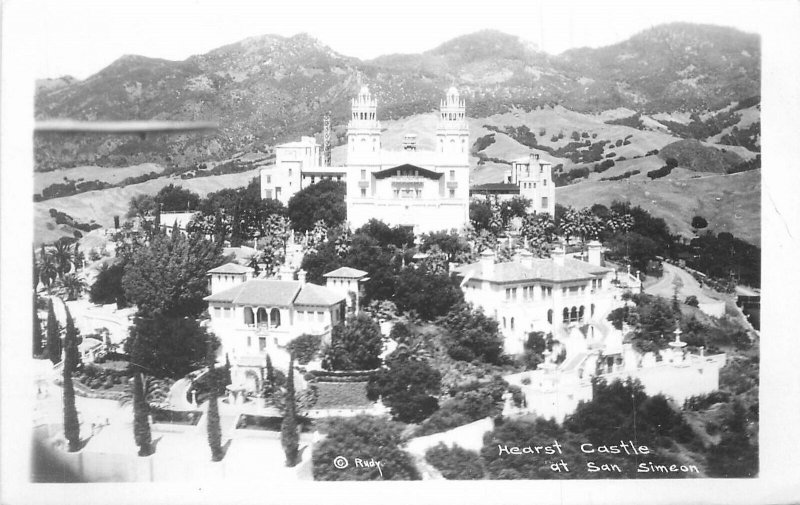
(269, 89)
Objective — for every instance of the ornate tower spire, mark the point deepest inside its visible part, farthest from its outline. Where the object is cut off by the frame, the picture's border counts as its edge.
(363, 130)
(452, 131)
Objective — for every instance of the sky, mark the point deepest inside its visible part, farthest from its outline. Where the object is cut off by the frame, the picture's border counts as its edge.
(80, 37)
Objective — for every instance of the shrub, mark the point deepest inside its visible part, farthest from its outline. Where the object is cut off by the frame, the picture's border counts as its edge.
(454, 462)
(692, 301)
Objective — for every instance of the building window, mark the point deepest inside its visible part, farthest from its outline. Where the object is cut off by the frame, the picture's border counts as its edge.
(550, 316)
(262, 343)
(290, 172)
(508, 294)
(504, 323)
(591, 310)
(599, 283)
(544, 202)
(217, 312)
(277, 192)
(544, 182)
(320, 316)
(269, 179)
(452, 193)
(514, 293)
(363, 175)
(512, 324)
(452, 175)
(249, 341)
(363, 192)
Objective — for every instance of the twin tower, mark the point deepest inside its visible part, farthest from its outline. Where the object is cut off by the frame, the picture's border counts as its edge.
(452, 130)
(424, 189)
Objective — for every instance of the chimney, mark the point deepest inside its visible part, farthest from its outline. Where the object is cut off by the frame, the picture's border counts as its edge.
(285, 273)
(487, 261)
(559, 254)
(595, 253)
(525, 258)
(301, 276)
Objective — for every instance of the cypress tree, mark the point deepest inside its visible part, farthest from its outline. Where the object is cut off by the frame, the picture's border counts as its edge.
(270, 375)
(212, 424)
(53, 337)
(141, 424)
(72, 428)
(37, 331)
(289, 437)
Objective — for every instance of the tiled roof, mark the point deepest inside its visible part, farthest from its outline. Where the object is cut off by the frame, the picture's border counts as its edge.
(346, 272)
(276, 293)
(338, 395)
(542, 269)
(230, 268)
(311, 294)
(496, 186)
(259, 292)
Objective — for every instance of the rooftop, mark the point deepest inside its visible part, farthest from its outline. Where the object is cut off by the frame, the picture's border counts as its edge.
(347, 273)
(275, 292)
(230, 268)
(541, 269)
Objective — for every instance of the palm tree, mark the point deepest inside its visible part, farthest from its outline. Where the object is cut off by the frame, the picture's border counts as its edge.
(62, 258)
(141, 411)
(71, 286)
(78, 257)
(47, 269)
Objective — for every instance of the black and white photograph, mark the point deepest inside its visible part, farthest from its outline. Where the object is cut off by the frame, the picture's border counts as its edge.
(262, 246)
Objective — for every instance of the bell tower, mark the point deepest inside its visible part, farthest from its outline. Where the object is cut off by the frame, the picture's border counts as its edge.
(363, 130)
(452, 132)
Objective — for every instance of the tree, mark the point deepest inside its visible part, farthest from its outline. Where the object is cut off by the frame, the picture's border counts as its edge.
(516, 207)
(36, 343)
(538, 230)
(355, 345)
(53, 334)
(480, 215)
(169, 276)
(71, 286)
(72, 428)
(352, 438)
(168, 347)
(141, 411)
(699, 222)
(174, 198)
(470, 335)
(107, 286)
(321, 201)
(407, 388)
(270, 379)
(304, 347)
(47, 268)
(212, 424)
(141, 206)
(289, 436)
(452, 244)
(62, 257)
(454, 462)
(429, 295)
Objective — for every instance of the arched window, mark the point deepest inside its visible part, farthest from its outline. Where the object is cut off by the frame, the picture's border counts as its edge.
(566, 315)
(573, 314)
(512, 324)
(591, 310)
(550, 316)
(261, 316)
(248, 316)
(504, 323)
(580, 313)
(275, 317)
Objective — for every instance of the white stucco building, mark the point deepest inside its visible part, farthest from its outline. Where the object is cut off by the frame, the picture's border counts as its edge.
(529, 177)
(297, 165)
(256, 317)
(536, 294)
(428, 190)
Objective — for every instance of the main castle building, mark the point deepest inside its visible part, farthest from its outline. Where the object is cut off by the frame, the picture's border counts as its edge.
(428, 190)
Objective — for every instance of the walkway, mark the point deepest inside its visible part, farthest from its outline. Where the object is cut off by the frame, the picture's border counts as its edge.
(690, 287)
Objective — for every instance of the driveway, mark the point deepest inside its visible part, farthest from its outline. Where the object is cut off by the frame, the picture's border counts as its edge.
(690, 287)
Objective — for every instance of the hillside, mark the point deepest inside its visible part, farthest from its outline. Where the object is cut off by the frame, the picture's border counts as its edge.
(729, 203)
(268, 89)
